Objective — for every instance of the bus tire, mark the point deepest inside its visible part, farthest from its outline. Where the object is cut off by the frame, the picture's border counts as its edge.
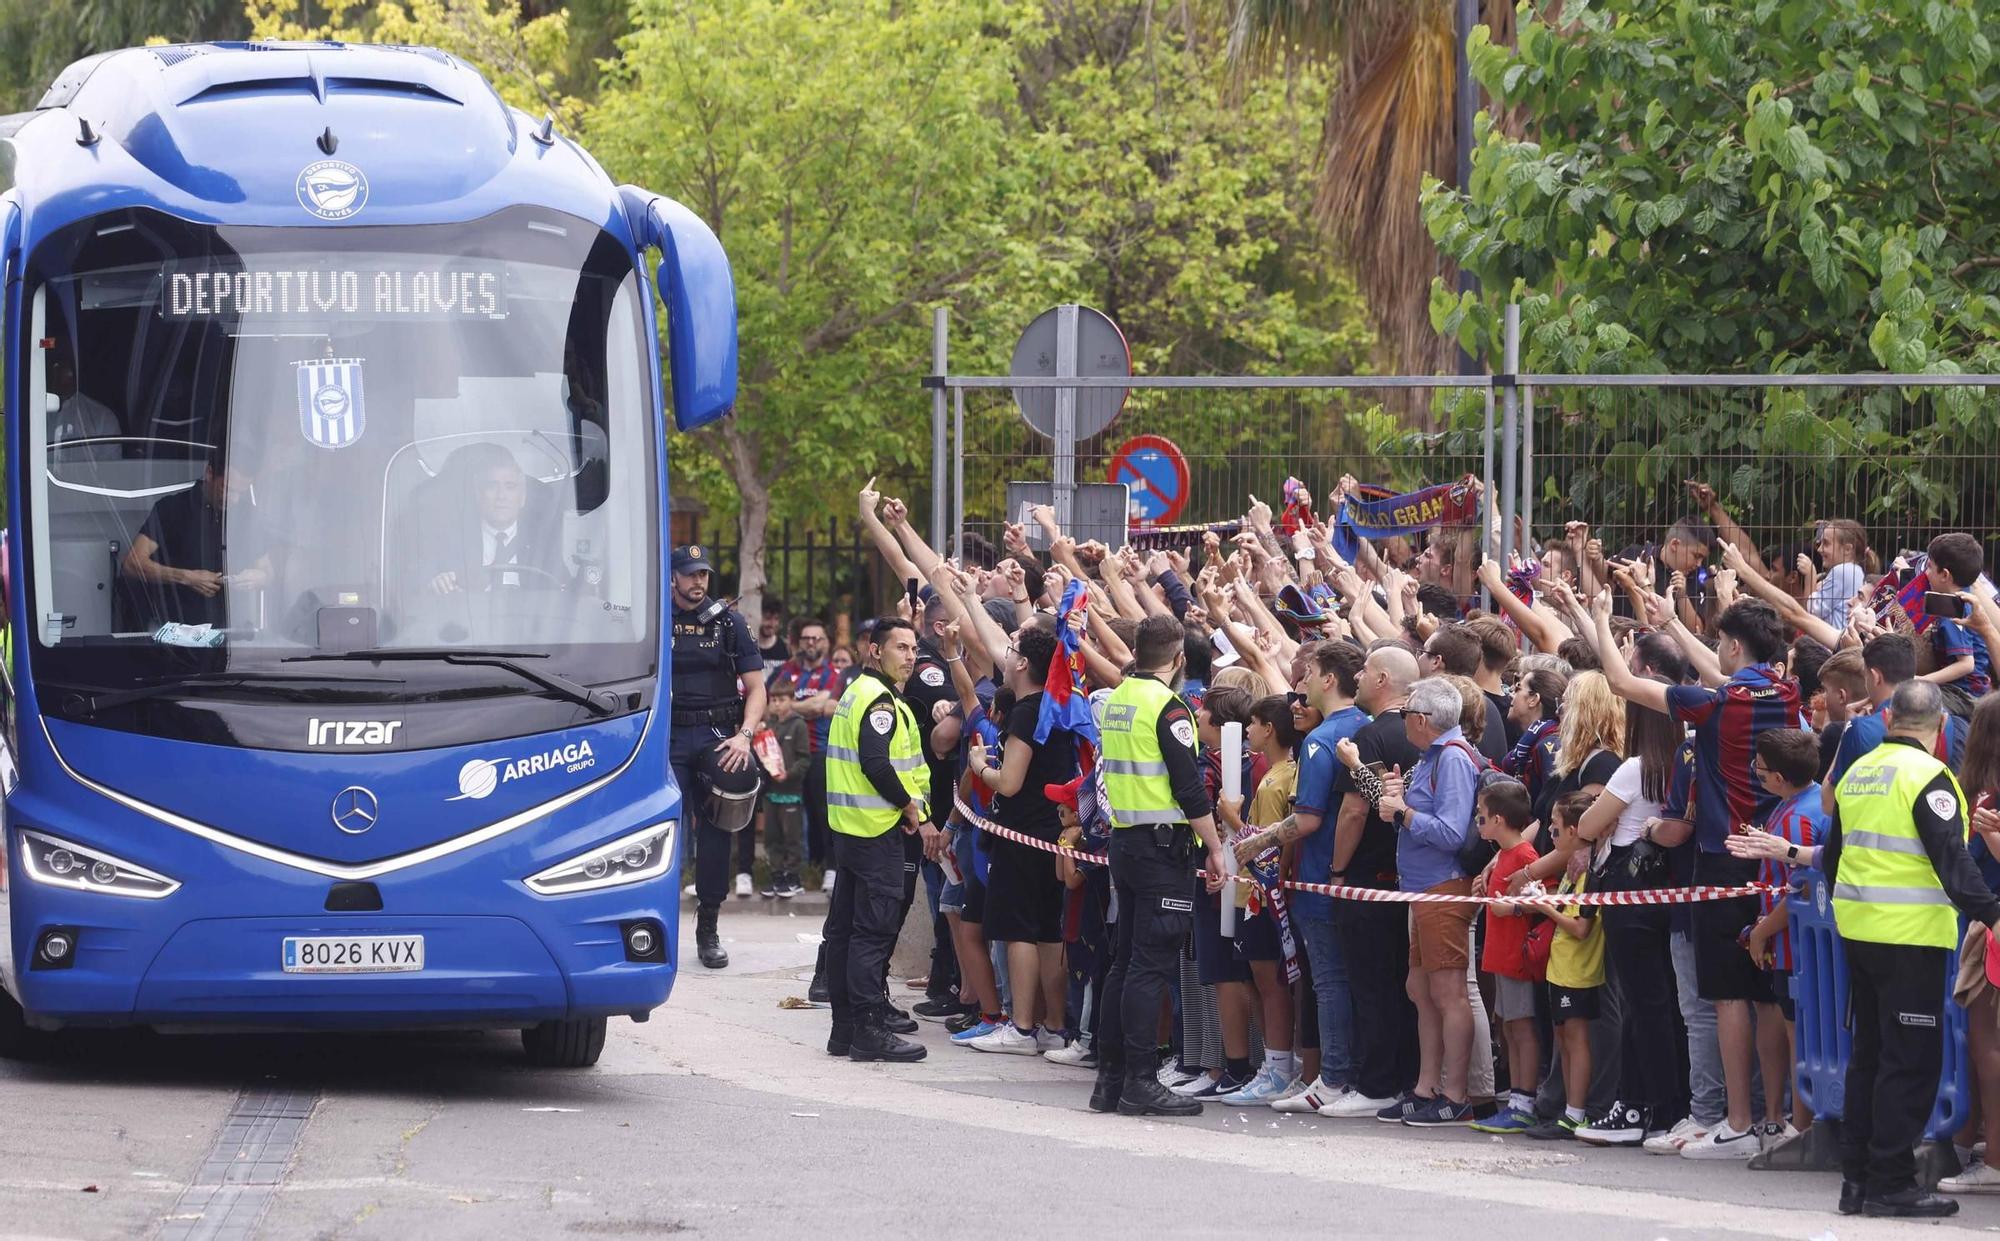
(573, 1044)
(18, 1039)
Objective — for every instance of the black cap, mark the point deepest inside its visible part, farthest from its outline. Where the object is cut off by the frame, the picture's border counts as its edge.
(691, 559)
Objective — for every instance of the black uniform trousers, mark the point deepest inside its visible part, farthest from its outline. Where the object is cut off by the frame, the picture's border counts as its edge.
(711, 843)
(1149, 874)
(1375, 940)
(1895, 1011)
(862, 923)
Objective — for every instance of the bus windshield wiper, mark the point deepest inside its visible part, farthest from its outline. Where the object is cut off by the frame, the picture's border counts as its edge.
(93, 701)
(596, 701)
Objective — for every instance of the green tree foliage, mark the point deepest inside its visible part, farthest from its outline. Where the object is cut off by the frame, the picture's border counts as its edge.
(40, 38)
(1769, 186)
(983, 156)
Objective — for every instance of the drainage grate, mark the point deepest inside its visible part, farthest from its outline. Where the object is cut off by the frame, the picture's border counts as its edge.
(239, 1176)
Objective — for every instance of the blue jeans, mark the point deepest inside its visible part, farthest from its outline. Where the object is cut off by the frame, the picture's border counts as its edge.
(1336, 1003)
(1707, 1099)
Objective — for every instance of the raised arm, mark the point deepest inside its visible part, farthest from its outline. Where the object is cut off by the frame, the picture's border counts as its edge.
(1790, 610)
(1544, 631)
(886, 543)
(1649, 694)
(1726, 529)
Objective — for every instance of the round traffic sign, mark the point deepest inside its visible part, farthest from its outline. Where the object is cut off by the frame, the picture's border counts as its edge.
(1155, 470)
(1101, 351)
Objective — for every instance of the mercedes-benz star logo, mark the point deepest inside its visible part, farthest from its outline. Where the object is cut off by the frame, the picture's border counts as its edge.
(354, 809)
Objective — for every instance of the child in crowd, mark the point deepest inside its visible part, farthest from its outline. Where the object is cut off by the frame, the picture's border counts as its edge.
(1263, 928)
(784, 806)
(1786, 764)
(1955, 562)
(1504, 816)
(1576, 970)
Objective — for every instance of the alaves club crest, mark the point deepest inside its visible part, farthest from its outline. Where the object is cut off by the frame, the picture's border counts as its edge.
(330, 410)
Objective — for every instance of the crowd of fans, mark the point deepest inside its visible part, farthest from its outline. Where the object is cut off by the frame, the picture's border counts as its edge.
(1420, 717)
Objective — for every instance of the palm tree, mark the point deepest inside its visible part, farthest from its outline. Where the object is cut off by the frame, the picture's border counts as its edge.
(1390, 120)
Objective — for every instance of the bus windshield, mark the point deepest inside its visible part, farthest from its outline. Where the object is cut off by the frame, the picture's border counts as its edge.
(255, 448)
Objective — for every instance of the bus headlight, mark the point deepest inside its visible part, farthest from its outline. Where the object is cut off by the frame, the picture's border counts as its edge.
(628, 859)
(59, 863)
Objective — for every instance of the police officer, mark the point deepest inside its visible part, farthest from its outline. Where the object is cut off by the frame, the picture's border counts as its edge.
(713, 721)
(1897, 860)
(876, 783)
(1159, 805)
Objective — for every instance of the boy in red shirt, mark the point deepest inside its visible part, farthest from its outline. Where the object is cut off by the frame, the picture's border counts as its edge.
(1505, 813)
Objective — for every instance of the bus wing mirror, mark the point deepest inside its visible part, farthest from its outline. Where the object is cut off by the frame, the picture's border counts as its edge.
(699, 293)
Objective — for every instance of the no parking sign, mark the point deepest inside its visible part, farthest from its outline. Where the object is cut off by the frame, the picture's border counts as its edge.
(1153, 467)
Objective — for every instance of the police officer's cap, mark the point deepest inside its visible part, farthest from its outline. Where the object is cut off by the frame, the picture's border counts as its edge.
(692, 559)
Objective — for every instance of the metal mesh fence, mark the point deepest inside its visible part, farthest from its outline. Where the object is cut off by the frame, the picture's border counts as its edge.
(1907, 463)
(1238, 442)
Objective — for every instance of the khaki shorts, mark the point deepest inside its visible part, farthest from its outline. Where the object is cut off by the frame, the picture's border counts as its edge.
(1440, 934)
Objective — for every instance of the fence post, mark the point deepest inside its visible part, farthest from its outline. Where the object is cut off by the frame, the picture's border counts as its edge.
(1510, 398)
(1490, 498)
(1063, 477)
(940, 327)
(1527, 502)
(958, 474)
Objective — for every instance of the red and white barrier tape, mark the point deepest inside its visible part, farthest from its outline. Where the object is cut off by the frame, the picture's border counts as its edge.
(1649, 896)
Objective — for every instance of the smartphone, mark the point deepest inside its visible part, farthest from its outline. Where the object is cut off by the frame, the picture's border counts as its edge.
(1379, 767)
(1949, 606)
(910, 586)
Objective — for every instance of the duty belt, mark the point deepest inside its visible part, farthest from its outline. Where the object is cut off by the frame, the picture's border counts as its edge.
(731, 715)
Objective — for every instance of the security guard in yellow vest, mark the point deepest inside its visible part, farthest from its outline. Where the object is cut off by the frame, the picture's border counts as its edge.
(876, 783)
(1900, 876)
(1159, 809)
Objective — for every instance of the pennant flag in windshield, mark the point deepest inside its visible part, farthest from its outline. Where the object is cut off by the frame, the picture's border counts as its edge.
(330, 401)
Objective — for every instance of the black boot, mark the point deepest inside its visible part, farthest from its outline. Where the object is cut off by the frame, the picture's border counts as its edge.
(899, 1020)
(1143, 1095)
(1110, 1085)
(817, 993)
(841, 1039)
(1852, 1195)
(707, 942)
(875, 1041)
(1913, 1203)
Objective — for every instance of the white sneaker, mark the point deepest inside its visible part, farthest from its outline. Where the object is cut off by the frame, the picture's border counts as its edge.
(1009, 1040)
(1772, 1134)
(1193, 1085)
(1170, 1074)
(1722, 1142)
(1976, 1179)
(1670, 1142)
(1047, 1040)
(743, 885)
(1261, 1090)
(826, 881)
(1078, 1055)
(1310, 1101)
(1354, 1105)
(688, 891)
(1298, 1087)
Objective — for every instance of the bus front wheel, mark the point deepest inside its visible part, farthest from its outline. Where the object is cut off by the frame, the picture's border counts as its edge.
(573, 1044)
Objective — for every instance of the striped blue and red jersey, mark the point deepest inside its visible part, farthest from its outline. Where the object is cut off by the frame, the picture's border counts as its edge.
(824, 679)
(1533, 759)
(1727, 722)
(1800, 821)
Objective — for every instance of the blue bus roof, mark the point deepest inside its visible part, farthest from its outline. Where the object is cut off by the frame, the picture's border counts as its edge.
(239, 133)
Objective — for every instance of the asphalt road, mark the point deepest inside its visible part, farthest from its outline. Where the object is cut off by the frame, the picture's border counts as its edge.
(723, 1117)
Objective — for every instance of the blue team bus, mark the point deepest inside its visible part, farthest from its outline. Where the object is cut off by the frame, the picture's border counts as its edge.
(334, 576)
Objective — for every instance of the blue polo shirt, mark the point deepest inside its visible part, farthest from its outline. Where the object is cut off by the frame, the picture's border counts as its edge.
(1865, 732)
(1318, 771)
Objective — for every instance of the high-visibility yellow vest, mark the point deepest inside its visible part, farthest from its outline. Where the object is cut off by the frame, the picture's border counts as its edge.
(853, 807)
(1886, 890)
(1135, 770)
